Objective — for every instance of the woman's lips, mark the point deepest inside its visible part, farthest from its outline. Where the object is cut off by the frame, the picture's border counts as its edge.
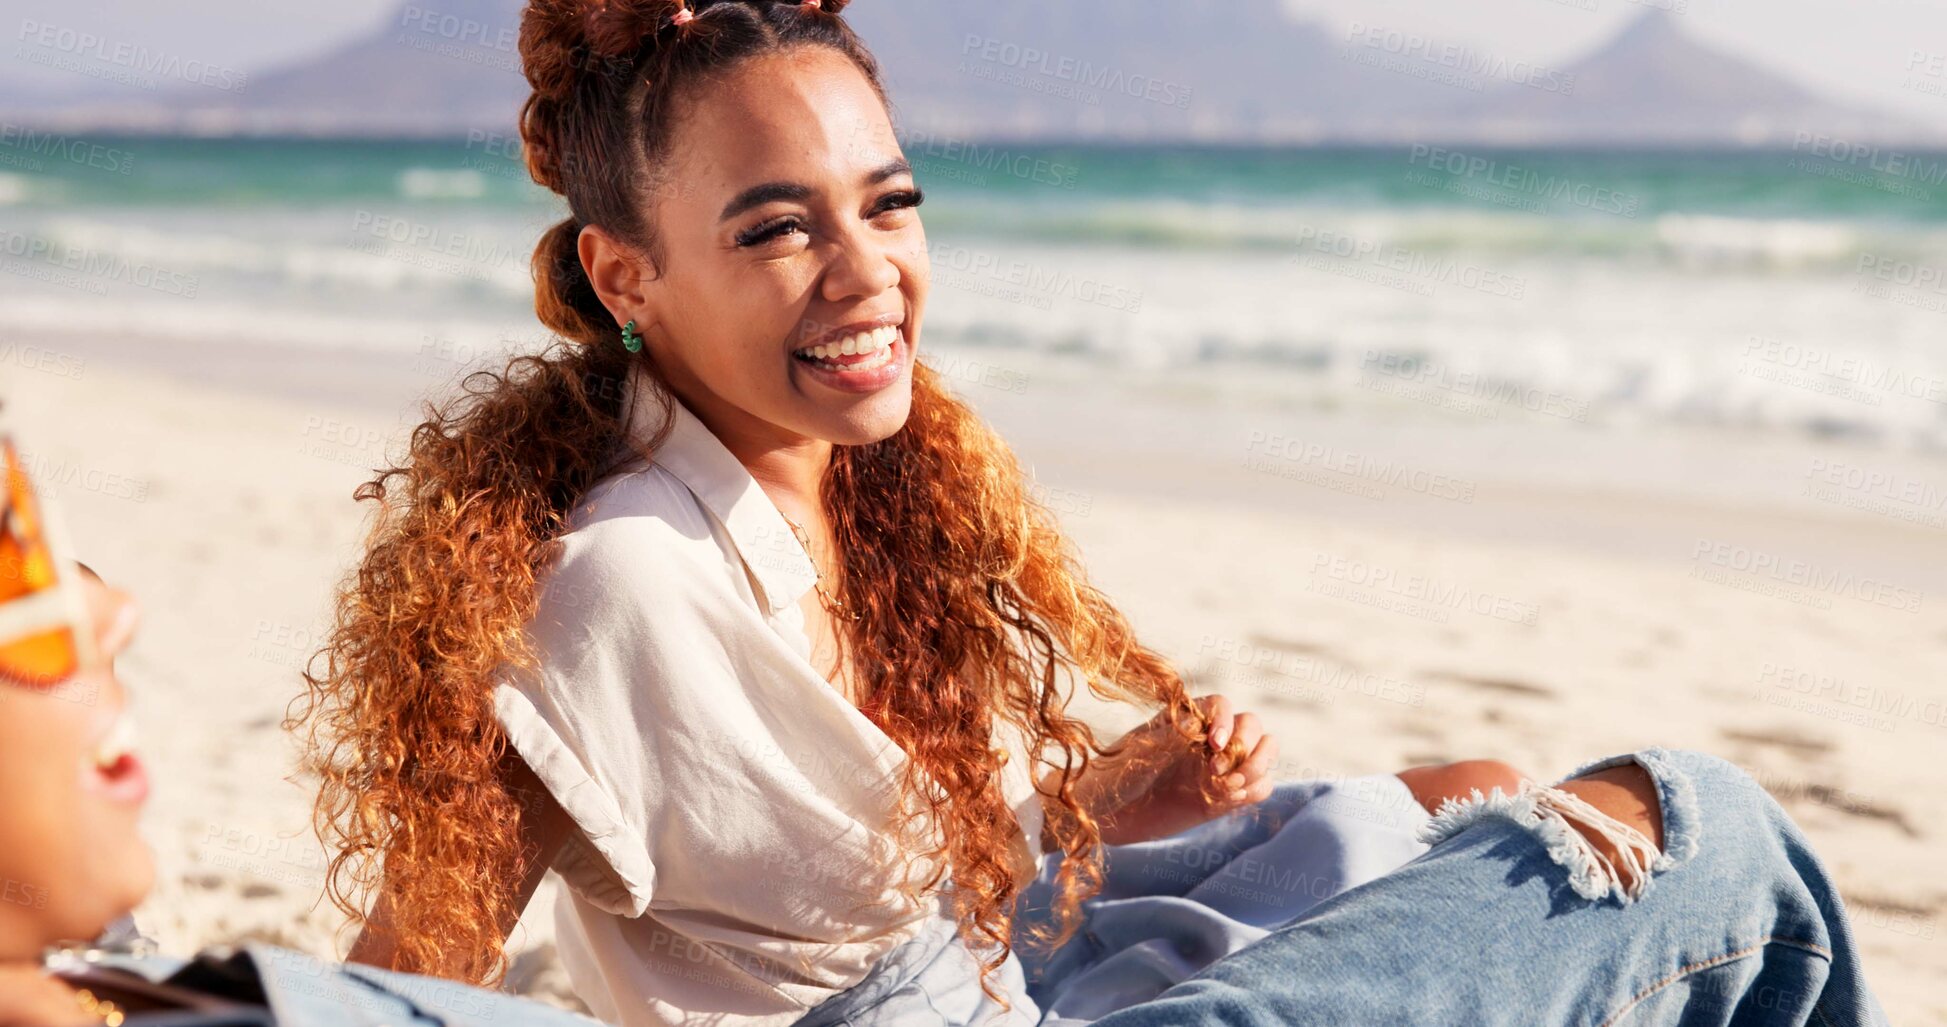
(124, 780)
(115, 770)
(869, 373)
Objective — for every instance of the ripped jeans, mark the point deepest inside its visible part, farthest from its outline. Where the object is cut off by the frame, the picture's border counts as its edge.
(1740, 926)
(1508, 919)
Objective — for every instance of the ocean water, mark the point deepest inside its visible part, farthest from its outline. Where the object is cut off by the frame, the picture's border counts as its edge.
(1771, 292)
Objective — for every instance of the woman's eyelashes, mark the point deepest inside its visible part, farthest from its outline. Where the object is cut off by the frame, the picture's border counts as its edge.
(780, 228)
(776, 228)
(904, 199)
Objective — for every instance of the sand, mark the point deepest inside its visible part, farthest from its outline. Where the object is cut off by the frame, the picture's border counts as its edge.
(1598, 617)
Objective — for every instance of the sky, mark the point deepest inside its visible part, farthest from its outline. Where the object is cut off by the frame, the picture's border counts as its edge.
(1857, 50)
(1846, 49)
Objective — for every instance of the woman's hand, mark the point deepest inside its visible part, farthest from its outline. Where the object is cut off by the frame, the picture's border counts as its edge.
(1160, 784)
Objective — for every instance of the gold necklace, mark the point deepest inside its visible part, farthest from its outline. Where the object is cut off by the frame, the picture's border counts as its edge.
(831, 603)
(101, 1009)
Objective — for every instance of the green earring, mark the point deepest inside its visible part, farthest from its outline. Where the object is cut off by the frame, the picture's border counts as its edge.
(630, 340)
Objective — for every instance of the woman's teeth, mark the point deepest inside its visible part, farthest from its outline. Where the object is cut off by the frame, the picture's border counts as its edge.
(117, 744)
(874, 346)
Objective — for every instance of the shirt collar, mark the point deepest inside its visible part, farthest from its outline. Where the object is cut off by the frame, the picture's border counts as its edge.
(691, 452)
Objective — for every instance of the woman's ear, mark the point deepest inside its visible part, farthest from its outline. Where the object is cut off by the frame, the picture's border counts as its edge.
(620, 274)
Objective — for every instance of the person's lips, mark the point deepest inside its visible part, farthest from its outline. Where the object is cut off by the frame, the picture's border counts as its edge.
(117, 772)
(861, 357)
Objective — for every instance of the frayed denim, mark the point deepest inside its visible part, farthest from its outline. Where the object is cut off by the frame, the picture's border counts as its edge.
(1508, 918)
(1741, 927)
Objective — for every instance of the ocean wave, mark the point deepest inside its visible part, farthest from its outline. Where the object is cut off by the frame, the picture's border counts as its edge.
(13, 189)
(441, 184)
(362, 261)
(1592, 341)
(268, 325)
(1677, 240)
(1744, 242)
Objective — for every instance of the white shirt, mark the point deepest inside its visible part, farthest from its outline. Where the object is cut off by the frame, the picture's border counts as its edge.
(733, 864)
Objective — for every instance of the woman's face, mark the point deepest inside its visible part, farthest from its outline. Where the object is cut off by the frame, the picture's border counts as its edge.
(787, 220)
(71, 790)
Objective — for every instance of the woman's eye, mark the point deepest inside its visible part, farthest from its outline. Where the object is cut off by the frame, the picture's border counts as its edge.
(784, 226)
(768, 231)
(900, 201)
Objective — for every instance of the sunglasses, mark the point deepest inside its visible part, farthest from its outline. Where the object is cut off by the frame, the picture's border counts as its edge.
(45, 637)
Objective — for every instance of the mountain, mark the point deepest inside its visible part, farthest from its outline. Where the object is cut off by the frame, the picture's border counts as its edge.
(431, 69)
(1655, 83)
(1175, 70)
(1200, 70)
(436, 68)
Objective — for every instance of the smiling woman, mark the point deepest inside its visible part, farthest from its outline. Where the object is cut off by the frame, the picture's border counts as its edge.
(71, 859)
(606, 579)
(823, 259)
(728, 612)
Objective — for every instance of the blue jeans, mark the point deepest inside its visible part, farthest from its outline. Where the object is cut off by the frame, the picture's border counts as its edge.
(1741, 926)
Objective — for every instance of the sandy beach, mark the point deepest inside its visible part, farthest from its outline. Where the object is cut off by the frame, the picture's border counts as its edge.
(1498, 599)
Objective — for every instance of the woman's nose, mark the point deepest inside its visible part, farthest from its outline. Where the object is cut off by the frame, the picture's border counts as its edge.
(861, 268)
(114, 615)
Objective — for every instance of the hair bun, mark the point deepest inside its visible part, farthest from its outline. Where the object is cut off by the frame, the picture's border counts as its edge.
(563, 39)
(580, 56)
(616, 28)
(562, 43)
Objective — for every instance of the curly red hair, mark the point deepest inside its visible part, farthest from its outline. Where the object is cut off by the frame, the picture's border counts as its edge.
(973, 609)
